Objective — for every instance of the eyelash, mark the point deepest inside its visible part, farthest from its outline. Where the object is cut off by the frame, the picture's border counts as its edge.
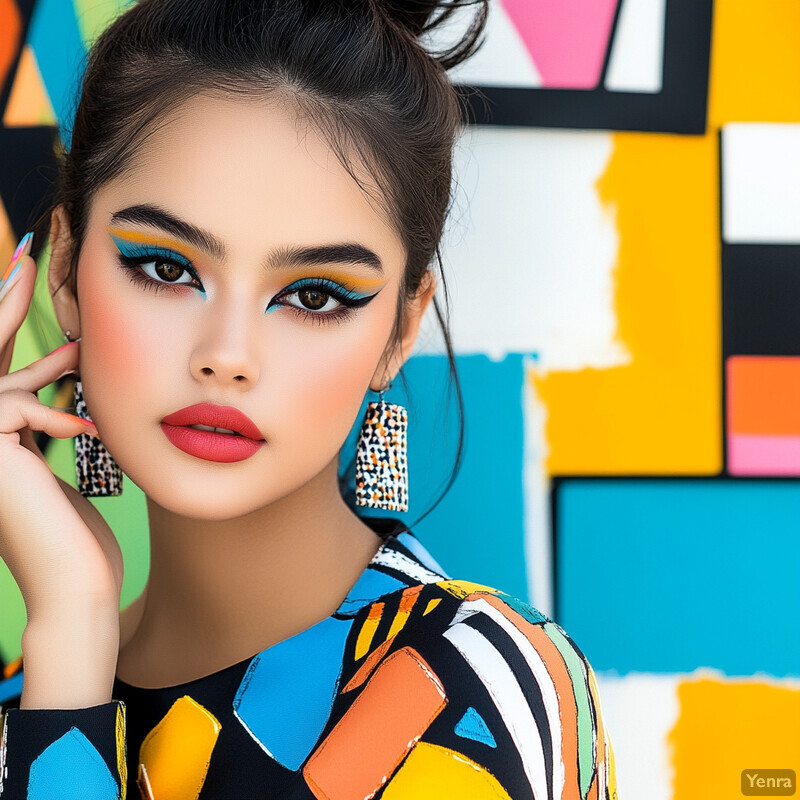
(347, 307)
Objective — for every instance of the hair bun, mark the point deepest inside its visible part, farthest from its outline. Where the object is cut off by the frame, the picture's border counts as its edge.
(420, 17)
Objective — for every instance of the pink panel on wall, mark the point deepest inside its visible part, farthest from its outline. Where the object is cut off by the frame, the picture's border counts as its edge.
(567, 39)
(763, 455)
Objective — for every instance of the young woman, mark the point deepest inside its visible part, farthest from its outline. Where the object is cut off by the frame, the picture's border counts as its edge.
(241, 248)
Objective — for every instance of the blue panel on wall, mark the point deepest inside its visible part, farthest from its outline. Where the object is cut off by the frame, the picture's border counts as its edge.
(60, 54)
(477, 531)
(671, 575)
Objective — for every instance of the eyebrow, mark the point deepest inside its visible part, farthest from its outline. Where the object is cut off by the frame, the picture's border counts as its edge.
(312, 255)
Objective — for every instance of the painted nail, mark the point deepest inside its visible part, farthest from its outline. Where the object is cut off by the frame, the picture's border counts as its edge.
(23, 249)
(63, 346)
(91, 428)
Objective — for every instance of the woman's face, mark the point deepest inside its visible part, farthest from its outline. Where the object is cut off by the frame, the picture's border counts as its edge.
(218, 269)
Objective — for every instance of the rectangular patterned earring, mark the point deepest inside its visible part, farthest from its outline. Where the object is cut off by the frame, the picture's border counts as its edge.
(98, 474)
(381, 457)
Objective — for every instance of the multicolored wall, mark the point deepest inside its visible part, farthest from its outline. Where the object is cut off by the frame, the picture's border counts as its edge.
(623, 263)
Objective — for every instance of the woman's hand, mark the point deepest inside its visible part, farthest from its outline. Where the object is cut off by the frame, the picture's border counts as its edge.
(69, 571)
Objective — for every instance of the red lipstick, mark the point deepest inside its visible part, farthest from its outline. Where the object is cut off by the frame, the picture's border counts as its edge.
(213, 445)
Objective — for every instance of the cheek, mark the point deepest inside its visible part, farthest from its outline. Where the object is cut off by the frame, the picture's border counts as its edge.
(327, 377)
(115, 333)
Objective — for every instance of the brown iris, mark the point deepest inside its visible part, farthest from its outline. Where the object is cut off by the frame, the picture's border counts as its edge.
(313, 298)
(167, 271)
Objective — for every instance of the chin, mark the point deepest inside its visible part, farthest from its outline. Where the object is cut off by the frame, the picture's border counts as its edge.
(213, 500)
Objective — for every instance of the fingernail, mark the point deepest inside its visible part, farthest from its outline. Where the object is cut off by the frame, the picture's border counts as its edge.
(58, 349)
(67, 372)
(91, 428)
(23, 248)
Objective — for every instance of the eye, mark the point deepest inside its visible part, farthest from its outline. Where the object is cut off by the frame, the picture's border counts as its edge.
(156, 269)
(321, 300)
(167, 271)
(315, 300)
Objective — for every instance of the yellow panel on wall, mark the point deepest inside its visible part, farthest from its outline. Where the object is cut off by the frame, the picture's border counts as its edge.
(661, 413)
(726, 726)
(755, 62)
(28, 104)
(7, 239)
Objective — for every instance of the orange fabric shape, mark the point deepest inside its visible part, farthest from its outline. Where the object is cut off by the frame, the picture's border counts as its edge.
(366, 668)
(407, 601)
(764, 395)
(376, 733)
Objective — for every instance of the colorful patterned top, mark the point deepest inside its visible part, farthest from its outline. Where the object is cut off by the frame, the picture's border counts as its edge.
(418, 686)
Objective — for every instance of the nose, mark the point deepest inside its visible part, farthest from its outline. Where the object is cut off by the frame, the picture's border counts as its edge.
(225, 352)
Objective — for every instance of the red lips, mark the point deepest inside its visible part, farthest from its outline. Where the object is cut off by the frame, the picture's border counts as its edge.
(217, 417)
(210, 445)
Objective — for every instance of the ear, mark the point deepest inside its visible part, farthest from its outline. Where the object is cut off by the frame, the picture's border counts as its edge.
(65, 303)
(412, 318)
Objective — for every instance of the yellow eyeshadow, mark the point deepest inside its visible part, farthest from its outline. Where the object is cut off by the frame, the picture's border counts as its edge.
(345, 278)
(292, 274)
(158, 241)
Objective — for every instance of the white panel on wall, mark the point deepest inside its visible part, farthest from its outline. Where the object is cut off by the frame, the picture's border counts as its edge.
(536, 483)
(529, 250)
(502, 60)
(761, 183)
(640, 710)
(637, 54)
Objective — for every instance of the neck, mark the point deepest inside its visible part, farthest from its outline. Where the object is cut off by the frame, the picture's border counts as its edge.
(221, 591)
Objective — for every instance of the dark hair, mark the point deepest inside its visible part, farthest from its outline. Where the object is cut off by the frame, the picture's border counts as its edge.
(355, 68)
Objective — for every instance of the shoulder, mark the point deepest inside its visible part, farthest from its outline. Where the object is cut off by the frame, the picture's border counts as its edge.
(479, 678)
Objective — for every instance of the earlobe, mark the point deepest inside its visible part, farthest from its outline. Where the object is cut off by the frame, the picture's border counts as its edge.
(65, 303)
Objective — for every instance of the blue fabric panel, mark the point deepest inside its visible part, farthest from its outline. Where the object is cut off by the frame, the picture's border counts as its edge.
(11, 687)
(369, 587)
(419, 550)
(473, 726)
(54, 770)
(287, 693)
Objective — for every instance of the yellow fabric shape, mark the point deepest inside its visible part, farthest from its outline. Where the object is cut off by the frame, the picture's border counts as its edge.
(432, 772)
(122, 764)
(174, 756)
(464, 588)
(431, 605)
(367, 632)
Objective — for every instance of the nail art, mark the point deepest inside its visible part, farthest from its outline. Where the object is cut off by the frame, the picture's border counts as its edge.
(23, 249)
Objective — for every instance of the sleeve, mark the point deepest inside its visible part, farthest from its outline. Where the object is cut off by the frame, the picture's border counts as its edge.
(531, 695)
(493, 701)
(56, 754)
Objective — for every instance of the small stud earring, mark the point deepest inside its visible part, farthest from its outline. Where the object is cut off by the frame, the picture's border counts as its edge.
(381, 457)
(98, 474)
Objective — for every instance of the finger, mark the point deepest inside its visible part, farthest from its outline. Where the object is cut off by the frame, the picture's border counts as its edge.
(16, 291)
(44, 371)
(28, 441)
(20, 409)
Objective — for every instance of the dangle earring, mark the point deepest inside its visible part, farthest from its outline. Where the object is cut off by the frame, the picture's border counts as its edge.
(98, 474)
(381, 458)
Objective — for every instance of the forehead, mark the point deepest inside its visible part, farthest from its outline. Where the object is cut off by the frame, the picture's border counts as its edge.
(243, 168)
